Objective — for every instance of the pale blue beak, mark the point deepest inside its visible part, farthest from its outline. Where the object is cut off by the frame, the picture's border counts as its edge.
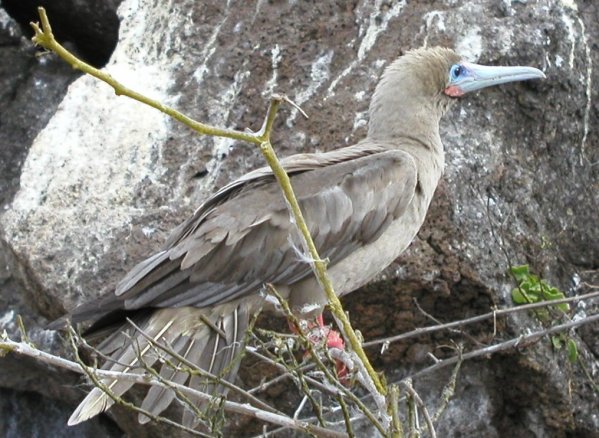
(466, 77)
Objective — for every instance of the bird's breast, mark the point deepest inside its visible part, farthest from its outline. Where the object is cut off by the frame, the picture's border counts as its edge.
(362, 265)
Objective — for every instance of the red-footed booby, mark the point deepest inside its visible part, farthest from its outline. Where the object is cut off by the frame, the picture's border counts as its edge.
(363, 204)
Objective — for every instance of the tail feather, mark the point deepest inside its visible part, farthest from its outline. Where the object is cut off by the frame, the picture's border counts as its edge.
(126, 360)
(159, 398)
(209, 338)
(220, 357)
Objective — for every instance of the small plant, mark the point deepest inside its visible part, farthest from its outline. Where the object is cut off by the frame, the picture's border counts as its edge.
(558, 342)
(531, 289)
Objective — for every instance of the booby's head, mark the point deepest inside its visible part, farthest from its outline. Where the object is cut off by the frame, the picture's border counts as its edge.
(419, 87)
(464, 77)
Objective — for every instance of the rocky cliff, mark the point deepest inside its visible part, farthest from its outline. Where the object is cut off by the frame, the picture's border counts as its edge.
(90, 183)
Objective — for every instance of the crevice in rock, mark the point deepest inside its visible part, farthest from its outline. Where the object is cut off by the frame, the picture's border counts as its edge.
(91, 27)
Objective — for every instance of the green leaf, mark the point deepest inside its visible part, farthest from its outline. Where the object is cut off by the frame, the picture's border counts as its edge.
(556, 341)
(564, 307)
(520, 272)
(534, 288)
(520, 297)
(553, 293)
(572, 350)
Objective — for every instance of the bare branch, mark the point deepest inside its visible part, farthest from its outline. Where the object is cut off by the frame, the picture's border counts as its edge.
(197, 370)
(474, 319)
(244, 409)
(449, 389)
(45, 38)
(512, 343)
(396, 430)
(407, 384)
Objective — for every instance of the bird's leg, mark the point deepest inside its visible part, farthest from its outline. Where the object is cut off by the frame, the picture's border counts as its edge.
(316, 331)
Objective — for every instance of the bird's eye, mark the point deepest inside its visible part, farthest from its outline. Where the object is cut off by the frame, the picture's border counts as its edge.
(456, 71)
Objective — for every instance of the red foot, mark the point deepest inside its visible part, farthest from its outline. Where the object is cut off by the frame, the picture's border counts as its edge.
(316, 331)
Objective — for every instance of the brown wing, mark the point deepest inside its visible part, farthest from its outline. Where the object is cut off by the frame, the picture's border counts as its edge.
(242, 237)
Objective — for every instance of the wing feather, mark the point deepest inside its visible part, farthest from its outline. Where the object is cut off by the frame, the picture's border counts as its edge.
(242, 237)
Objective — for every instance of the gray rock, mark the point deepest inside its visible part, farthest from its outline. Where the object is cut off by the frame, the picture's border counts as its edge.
(28, 414)
(89, 26)
(30, 90)
(107, 178)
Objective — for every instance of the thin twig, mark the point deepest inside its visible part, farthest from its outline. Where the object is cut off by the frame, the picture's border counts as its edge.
(93, 375)
(437, 321)
(396, 428)
(512, 343)
(463, 322)
(197, 370)
(144, 379)
(346, 416)
(413, 394)
(449, 389)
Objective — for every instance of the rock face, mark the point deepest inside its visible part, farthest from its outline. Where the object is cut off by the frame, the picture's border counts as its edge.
(107, 178)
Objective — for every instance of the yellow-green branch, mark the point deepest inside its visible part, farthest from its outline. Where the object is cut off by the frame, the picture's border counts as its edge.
(320, 267)
(45, 38)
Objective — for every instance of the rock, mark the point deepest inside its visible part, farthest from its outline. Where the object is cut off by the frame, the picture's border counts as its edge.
(90, 27)
(105, 181)
(30, 90)
(20, 410)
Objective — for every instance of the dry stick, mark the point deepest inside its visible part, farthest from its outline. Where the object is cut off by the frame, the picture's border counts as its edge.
(396, 428)
(45, 38)
(449, 388)
(412, 416)
(255, 401)
(437, 321)
(532, 337)
(332, 379)
(495, 313)
(347, 418)
(412, 392)
(106, 389)
(7, 345)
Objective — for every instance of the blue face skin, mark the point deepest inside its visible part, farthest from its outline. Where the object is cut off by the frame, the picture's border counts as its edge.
(466, 77)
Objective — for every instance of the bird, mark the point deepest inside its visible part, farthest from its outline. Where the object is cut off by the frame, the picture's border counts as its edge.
(363, 205)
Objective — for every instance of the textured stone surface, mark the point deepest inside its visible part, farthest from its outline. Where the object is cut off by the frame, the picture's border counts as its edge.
(90, 27)
(28, 414)
(30, 90)
(106, 180)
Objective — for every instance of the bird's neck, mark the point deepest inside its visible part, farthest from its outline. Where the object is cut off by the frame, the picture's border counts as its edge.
(394, 117)
(412, 126)
(398, 123)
